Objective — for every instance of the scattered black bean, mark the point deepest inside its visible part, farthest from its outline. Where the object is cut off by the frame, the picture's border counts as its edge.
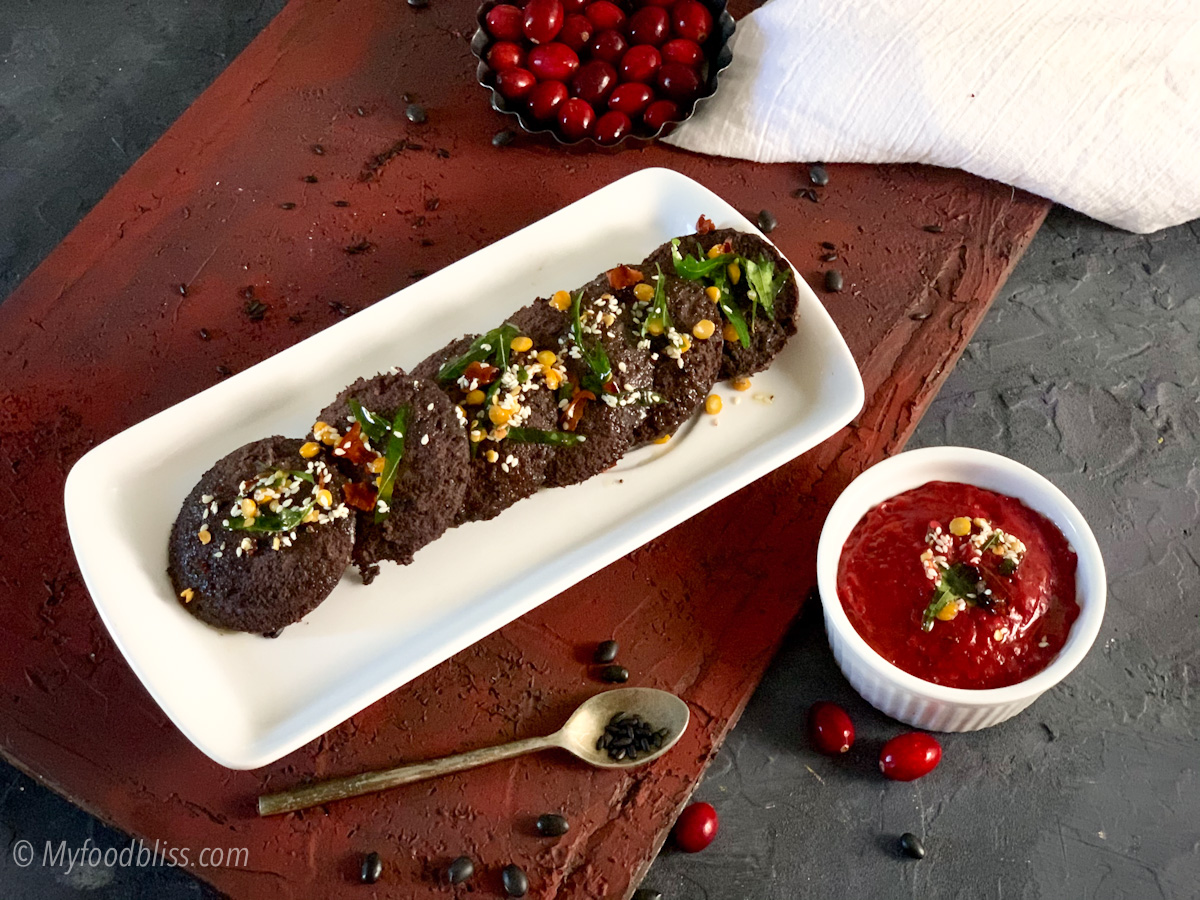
(340, 308)
(182, 290)
(818, 175)
(806, 193)
(415, 113)
(828, 245)
(341, 202)
(833, 280)
(646, 894)
(503, 138)
(912, 846)
(767, 221)
(606, 652)
(360, 247)
(432, 204)
(828, 257)
(273, 634)
(372, 868)
(552, 825)
(933, 229)
(255, 310)
(287, 205)
(443, 153)
(310, 179)
(417, 274)
(615, 674)
(318, 149)
(406, 97)
(918, 317)
(204, 335)
(224, 371)
(460, 870)
(516, 883)
(418, 4)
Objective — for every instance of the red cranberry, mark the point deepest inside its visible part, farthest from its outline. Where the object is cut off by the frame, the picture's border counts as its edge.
(609, 46)
(574, 6)
(506, 23)
(665, 4)
(553, 62)
(575, 118)
(908, 756)
(505, 55)
(605, 14)
(631, 99)
(577, 30)
(682, 51)
(659, 113)
(696, 827)
(514, 84)
(692, 20)
(543, 20)
(649, 25)
(640, 63)
(679, 82)
(830, 728)
(612, 126)
(594, 81)
(545, 99)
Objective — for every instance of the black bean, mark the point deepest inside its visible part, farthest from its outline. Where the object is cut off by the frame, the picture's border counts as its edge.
(615, 674)
(623, 741)
(833, 280)
(460, 870)
(552, 825)
(828, 257)
(204, 335)
(516, 883)
(224, 371)
(318, 149)
(372, 868)
(767, 221)
(503, 138)
(273, 634)
(918, 317)
(255, 310)
(415, 113)
(618, 755)
(818, 175)
(911, 845)
(418, 4)
(646, 894)
(933, 229)
(287, 205)
(606, 652)
(828, 245)
(310, 179)
(248, 292)
(341, 202)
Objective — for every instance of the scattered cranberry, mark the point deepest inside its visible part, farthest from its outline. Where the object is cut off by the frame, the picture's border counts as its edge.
(682, 51)
(659, 113)
(594, 81)
(679, 82)
(631, 99)
(830, 728)
(575, 118)
(505, 55)
(576, 31)
(640, 63)
(649, 25)
(612, 126)
(908, 756)
(553, 62)
(696, 827)
(605, 14)
(513, 84)
(665, 4)
(506, 22)
(543, 20)
(692, 20)
(546, 98)
(609, 46)
(574, 6)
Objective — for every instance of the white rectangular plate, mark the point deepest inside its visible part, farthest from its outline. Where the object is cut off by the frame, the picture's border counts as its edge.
(246, 701)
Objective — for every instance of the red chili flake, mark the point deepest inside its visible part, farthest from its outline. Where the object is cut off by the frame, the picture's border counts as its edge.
(359, 496)
(610, 387)
(704, 225)
(353, 448)
(574, 411)
(623, 277)
(481, 373)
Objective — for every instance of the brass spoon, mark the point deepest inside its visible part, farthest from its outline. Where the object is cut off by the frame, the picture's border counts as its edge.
(577, 736)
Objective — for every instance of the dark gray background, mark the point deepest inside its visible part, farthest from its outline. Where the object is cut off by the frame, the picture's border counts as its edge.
(1087, 369)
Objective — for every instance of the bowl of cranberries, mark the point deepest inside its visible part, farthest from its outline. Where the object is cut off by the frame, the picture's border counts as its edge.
(601, 70)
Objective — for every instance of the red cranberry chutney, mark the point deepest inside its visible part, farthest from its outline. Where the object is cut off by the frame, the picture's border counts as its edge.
(959, 585)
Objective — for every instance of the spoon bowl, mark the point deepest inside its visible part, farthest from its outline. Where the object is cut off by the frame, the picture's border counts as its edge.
(658, 708)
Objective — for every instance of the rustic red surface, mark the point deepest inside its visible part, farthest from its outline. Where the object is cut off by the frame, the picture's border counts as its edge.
(100, 337)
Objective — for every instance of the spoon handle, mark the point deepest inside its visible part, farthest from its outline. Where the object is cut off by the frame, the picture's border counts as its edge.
(369, 782)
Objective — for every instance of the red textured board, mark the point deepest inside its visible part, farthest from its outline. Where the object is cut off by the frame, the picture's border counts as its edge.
(100, 337)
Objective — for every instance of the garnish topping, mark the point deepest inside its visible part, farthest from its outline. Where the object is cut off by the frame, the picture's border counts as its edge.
(623, 277)
(267, 506)
(599, 368)
(963, 583)
(481, 350)
(541, 436)
(391, 463)
(658, 318)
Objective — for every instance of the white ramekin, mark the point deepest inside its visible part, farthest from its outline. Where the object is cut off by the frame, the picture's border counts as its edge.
(910, 699)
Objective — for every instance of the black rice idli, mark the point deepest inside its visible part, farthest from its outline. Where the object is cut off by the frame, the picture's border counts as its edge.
(262, 538)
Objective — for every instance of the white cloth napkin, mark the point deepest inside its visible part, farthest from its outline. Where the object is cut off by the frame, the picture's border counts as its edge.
(1091, 103)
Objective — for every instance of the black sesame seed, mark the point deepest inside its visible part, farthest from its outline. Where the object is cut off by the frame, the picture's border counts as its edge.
(341, 202)
(340, 308)
(406, 97)
(606, 651)
(833, 281)
(310, 179)
(318, 149)
(646, 894)
(460, 870)
(552, 825)
(503, 138)
(182, 290)
(767, 221)
(911, 845)
(615, 674)
(432, 204)
(360, 111)
(516, 883)
(933, 229)
(372, 868)
(818, 175)
(248, 292)
(360, 247)
(204, 335)
(443, 153)
(415, 113)
(255, 310)
(287, 205)
(806, 193)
